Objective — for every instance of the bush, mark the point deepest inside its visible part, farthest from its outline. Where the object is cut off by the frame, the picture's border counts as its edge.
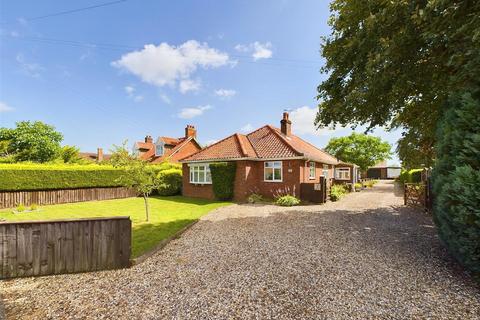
(358, 186)
(169, 182)
(337, 191)
(223, 179)
(456, 179)
(411, 176)
(33, 207)
(21, 208)
(255, 198)
(287, 201)
(47, 177)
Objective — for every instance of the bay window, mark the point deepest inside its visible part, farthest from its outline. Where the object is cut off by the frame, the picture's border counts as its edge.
(200, 173)
(342, 173)
(273, 171)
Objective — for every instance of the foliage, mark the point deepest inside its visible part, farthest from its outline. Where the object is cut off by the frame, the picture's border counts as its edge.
(223, 179)
(360, 149)
(337, 191)
(46, 176)
(456, 179)
(120, 157)
(70, 154)
(169, 182)
(358, 186)
(32, 141)
(169, 215)
(411, 176)
(255, 198)
(393, 63)
(287, 201)
(33, 207)
(21, 208)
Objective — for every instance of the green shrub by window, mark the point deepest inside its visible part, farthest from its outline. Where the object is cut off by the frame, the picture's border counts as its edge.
(337, 191)
(287, 201)
(456, 179)
(169, 182)
(223, 179)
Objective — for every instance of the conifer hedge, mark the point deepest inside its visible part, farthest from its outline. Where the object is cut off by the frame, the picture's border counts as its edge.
(456, 179)
(223, 179)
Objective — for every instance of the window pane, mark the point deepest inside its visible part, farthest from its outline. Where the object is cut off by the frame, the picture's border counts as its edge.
(209, 176)
(268, 164)
(201, 176)
(268, 174)
(195, 176)
(278, 174)
(277, 164)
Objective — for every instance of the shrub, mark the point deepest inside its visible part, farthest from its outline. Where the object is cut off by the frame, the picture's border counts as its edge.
(456, 179)
(358, 186)
(169, 182)
(337, 191)
(33, 207)
(223, 179)
(20, 208)
(411, 176)
(255, 198)
(45, 177)
(287, 201)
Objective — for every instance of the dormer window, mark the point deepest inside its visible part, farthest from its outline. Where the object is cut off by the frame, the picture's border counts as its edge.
(159, 148)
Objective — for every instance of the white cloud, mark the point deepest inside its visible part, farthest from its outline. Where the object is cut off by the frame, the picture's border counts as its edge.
(247, 128)
(302, 121)
(171, 65)
(5, 107)
(189, 85)
(130, 90)
(225, 93)
(189, 113)
(257, 49)
(165, 98)
(33, 70)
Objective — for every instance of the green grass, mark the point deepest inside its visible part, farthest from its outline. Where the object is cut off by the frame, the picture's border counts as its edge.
(167, 215)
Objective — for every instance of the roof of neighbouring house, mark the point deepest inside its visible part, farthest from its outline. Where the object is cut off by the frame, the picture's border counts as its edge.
(93, 156)
(148, 148)
(266, 142)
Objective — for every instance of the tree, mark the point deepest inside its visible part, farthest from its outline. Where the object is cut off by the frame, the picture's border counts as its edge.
(360, 149)
(456, 179)
(32, 141)
(394, 63)
(70, 154)
(137, 174)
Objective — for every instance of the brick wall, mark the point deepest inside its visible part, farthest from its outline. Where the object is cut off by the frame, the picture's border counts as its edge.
(195, 190)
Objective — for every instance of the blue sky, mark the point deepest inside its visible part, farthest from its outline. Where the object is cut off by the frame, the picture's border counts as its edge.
(122, 71)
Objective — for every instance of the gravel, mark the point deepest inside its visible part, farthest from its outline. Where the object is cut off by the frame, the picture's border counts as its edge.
(364, 257)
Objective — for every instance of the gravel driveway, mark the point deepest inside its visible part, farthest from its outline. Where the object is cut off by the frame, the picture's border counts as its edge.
(365, 257)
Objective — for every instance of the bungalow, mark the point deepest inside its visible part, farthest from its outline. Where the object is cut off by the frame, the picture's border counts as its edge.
(270, 162)
(168, 148)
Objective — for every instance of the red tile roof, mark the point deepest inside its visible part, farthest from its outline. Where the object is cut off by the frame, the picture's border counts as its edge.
(266, 142)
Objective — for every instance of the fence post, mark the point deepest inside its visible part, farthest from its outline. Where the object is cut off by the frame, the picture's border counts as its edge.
(405, 194)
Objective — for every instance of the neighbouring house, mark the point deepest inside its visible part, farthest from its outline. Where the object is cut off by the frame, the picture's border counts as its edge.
(270, 161)
(168, 148)
(97, 157)
(346, 173)
(382, 171)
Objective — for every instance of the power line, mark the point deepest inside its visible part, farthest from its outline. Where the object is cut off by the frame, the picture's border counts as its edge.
(76, 10)
(122, 47)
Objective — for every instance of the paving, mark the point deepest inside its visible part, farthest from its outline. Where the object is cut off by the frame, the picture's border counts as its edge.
(364, 257)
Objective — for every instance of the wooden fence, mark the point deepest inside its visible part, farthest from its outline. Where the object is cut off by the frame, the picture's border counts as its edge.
(314, 192)
(10, 199)
(34, 248)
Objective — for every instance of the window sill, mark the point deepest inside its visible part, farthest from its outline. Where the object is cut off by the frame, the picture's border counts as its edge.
(270, 181)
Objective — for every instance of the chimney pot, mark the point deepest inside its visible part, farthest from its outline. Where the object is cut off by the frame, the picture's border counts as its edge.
(148, 139)
(286, 125)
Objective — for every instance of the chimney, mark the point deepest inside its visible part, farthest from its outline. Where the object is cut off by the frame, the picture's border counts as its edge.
(99, 154)
(148, 139)
(190, 131)
(286, 125)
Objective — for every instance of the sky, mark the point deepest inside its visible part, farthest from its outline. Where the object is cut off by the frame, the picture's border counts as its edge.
(120, 70)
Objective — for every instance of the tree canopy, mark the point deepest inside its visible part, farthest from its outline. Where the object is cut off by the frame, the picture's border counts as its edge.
(360, 149)
(394, 63)
(31, 141)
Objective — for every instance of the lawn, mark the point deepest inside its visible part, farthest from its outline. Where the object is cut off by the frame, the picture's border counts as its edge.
(167, 215)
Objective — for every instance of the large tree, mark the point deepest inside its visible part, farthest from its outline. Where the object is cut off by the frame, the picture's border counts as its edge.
(31, 141)
(360, 149)
(393, 64)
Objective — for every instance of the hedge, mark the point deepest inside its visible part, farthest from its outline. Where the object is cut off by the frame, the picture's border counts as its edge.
(223, 178)
(169, 182)
(411, 176)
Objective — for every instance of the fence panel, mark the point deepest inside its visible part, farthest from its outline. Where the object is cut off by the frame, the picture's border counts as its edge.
(34, 248)
(314, 192)
(10, 199)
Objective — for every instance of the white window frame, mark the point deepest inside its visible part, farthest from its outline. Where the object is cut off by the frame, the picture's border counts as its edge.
(325, 171)
(340, 171)
(159, 146)
(273, 165)
(195, 171)
(312, 170)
